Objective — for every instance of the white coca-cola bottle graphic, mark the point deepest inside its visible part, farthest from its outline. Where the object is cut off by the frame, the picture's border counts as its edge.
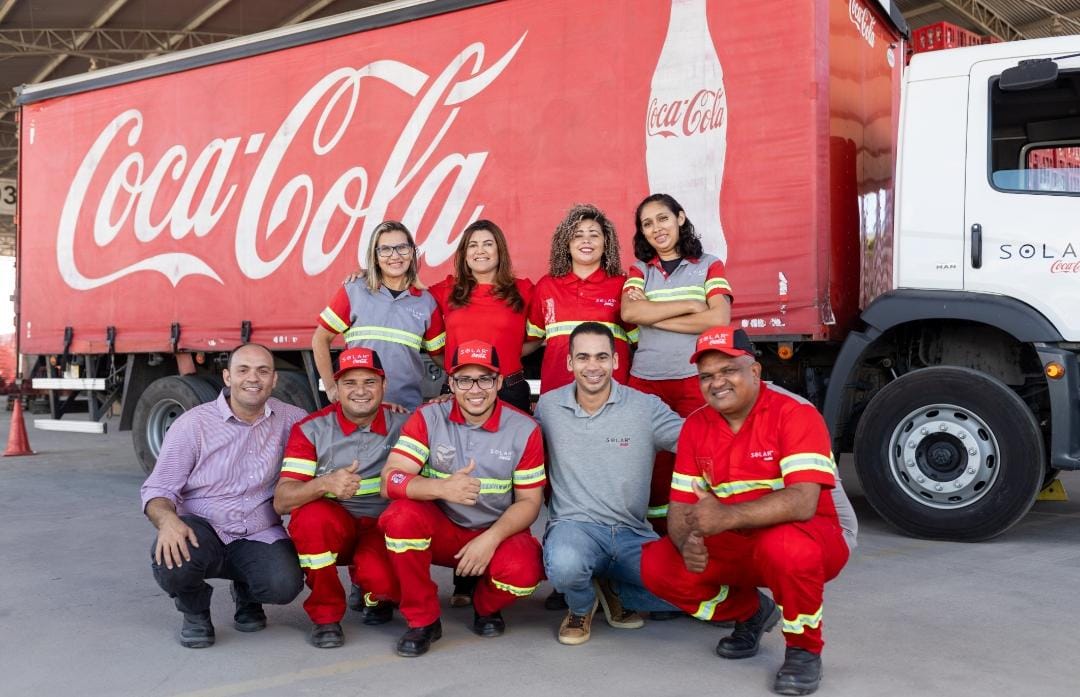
(686, 122)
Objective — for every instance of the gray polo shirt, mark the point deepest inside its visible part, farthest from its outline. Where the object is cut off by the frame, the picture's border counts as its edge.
(600, 465)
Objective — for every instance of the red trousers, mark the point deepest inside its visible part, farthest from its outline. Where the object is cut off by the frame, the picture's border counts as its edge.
(325, 535)
(683, 396)
(418, 534)
(793, 560)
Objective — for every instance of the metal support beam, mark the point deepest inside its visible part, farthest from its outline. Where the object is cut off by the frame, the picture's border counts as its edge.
(194, 23)
(306, 12)
(985, 18)
(921, 10)
(1055, 24)
(101, 45)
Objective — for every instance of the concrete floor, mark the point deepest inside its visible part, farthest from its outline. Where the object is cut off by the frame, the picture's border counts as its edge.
(80, 614)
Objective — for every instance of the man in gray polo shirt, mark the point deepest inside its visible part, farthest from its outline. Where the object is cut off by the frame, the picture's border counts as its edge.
(601, 440)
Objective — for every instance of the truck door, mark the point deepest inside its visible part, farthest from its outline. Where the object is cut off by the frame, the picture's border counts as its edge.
(1022, 200)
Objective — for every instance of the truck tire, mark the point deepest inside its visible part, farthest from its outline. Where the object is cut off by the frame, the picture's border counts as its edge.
(158, 407)
(949, 453)
(292, 387)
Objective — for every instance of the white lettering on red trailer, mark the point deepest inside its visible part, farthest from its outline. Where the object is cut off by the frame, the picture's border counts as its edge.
(130, 192)
(863, 19)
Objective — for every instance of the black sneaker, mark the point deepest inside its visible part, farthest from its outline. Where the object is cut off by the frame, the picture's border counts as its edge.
(249, 616)
(356, 598)
(556, 601)
(379, 613)
(743, 642)
(197, 632)
(417, 640)
(488, 625)
(800, 674)
(327, 636)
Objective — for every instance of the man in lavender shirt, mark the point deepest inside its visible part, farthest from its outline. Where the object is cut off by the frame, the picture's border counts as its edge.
(210, 497)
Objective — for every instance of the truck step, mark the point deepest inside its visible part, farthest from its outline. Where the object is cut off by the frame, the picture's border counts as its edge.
(70, 426)
(94, 384)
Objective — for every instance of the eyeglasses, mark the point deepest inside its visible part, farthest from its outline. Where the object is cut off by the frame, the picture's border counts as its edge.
(403, 250)
(465, 383)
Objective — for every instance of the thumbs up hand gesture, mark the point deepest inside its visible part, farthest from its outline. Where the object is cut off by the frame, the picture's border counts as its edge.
(461, 486)
(344, 482)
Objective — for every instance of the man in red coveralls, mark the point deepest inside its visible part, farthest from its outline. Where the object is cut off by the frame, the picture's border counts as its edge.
(330, 484)
(751, 506)
(471, 504)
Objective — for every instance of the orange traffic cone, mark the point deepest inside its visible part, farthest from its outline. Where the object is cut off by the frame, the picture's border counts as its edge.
(18, 443)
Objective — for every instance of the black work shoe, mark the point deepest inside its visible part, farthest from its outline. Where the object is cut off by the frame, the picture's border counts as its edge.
(379, 613)
(356, 598)
(327, 636)
(556, 601)
(743, 642)
(665, 615)
(197, 632)
(488, 625)
(800, 674)
(417, 640)
(249, 616)
(464, 587)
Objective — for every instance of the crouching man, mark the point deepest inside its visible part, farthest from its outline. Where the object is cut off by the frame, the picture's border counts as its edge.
(330, 484)
(466, 479)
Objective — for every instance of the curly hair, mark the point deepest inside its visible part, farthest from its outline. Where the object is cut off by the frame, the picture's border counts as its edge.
(689, 244)
(560, 262)
(464, 282)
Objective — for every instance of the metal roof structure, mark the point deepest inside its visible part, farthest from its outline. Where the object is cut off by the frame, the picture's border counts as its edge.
(44, 40)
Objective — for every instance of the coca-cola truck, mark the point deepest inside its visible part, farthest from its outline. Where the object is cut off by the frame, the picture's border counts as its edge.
(902, 241)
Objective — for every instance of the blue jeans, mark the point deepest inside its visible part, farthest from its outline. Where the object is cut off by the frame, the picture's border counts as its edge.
(576, 552)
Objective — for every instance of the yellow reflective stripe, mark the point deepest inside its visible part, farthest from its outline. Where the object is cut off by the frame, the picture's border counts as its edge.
(435, 343)
(566, 328)
(802, 622)
(714, 283)
(634, 282)
(487, 485)
(535, 331)
(317, 561)
(298, 465)
(399, 545)
(513, 590)
(633, 336)
(657, 512)
(682, 293)
(529, 476)
(803, 462)
(685, 483)
(413, 447)
(732, 488)
(335, 322)
(707, 607)
(396, 336)
(369, 600)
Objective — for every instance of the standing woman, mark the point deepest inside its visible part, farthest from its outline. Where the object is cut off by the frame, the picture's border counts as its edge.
(387, 310)
(673, 292)
(585, 279)
(483, 300)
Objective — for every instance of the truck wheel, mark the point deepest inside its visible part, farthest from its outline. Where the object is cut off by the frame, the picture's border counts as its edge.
(158, 407)
(949, 453)
(292, 387)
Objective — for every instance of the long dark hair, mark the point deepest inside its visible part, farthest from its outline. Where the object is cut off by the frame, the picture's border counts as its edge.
(560, 262)
(464, 281)
(689, 244)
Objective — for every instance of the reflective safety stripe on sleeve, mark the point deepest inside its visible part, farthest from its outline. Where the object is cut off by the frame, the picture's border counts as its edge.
(317, 561)
(513, 590)
(685, 483)
(399, 545)
(298, 465)
(373, 333)
(717, 283)
(634, 282)
(534, 331)
(802, 622)
(529, 476)
(413, 448)
(807, 462)
(707, 608)
(335, 322)
(657, 512)
(435, 343)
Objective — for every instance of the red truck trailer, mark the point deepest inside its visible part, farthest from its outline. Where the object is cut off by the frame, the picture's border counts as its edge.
(175, 207)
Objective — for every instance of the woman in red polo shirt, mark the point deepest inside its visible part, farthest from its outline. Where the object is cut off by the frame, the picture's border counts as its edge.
(584, 281)
(483, 300)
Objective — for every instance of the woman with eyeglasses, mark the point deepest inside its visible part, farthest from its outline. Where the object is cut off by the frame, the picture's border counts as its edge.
(483, 301)
(385, 309)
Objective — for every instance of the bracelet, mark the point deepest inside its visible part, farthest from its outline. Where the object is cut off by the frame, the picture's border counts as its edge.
(396, 484)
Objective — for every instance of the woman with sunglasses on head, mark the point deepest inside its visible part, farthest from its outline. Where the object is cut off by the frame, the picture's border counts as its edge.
(583, 284)
(673, 292)
(385, 309)
(483, 301)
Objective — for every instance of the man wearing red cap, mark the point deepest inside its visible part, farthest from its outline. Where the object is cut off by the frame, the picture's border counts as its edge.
(330, 484)
(466, 479)
(751, 505)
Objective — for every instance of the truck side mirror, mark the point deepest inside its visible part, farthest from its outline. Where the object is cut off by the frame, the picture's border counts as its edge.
(1028, 75)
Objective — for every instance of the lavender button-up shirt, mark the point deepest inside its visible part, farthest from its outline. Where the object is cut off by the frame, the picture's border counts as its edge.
(220, 468)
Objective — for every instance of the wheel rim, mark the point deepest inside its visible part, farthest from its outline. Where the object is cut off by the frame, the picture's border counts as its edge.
(944, 456)
(162, 416)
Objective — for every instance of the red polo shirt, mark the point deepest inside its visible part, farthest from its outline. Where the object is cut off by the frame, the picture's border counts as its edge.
(783, 441)
(560, 304)
(486, 318)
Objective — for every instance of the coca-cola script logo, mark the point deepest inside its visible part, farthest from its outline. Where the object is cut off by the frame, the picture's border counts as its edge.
(684, 117)
(131, 190)
(863, 19)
